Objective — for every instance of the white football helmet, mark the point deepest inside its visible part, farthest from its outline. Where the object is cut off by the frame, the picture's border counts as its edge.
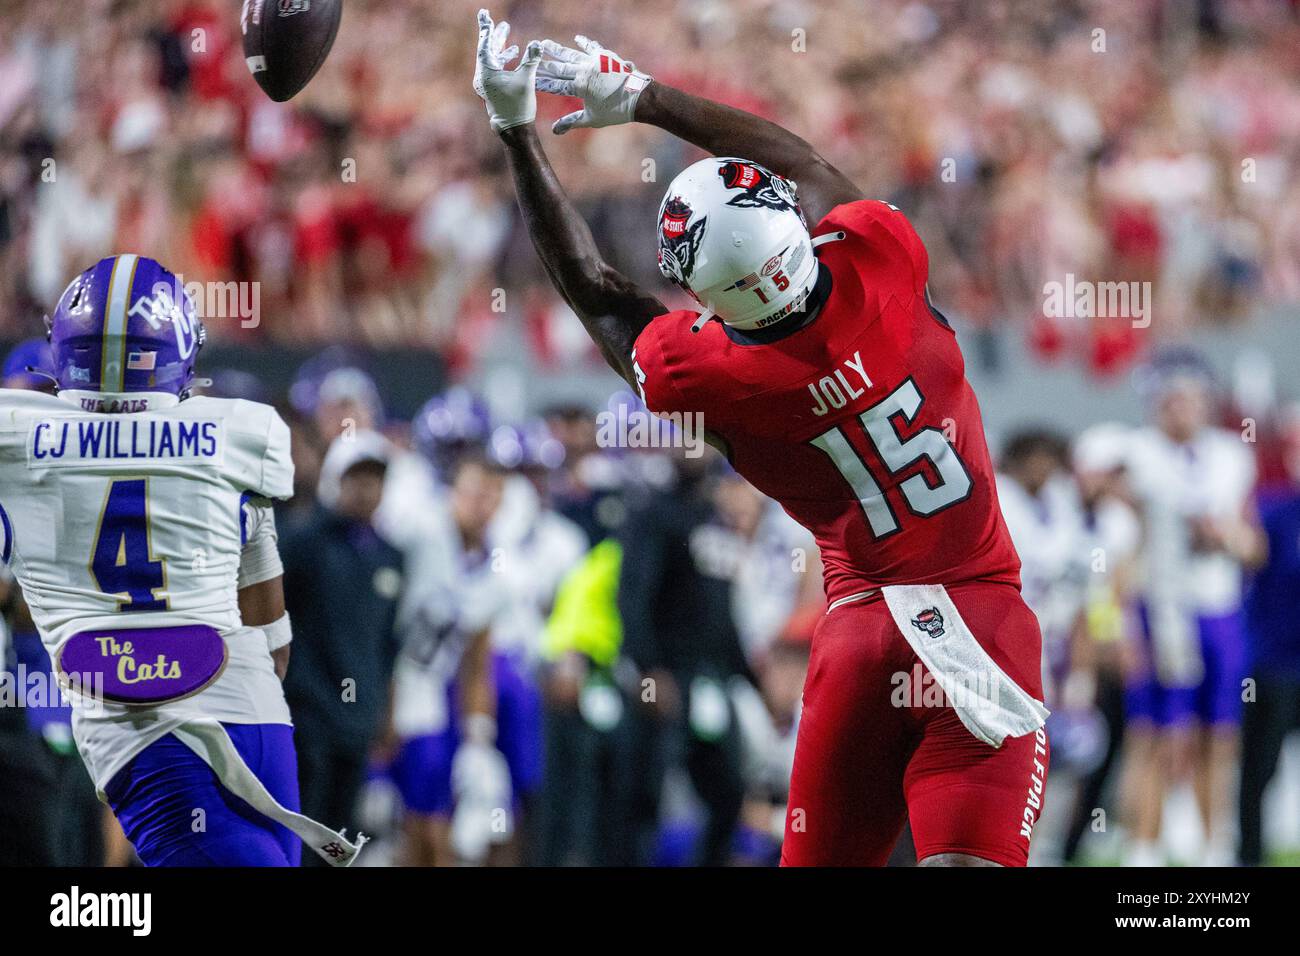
(732, 235)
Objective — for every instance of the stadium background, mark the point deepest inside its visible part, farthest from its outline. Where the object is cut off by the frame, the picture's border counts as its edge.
(1023, 144)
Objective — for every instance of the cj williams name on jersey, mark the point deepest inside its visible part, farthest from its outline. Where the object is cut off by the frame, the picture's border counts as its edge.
(54, 441)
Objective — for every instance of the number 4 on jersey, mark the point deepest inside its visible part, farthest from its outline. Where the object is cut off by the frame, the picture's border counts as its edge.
(123, 563)
(922, 498)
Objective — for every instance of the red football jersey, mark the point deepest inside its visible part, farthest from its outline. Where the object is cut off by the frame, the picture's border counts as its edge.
(861, 424)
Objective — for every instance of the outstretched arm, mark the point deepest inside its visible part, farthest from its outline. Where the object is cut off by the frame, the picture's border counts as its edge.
(613, 91)
(613, 309)
(726, 131)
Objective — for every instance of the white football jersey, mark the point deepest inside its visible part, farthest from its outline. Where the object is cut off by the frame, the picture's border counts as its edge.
(453, 596)
(766, 587)
(133, 515)
(531, 564)
(138, 520)
(1048, 532)
(1213, 475)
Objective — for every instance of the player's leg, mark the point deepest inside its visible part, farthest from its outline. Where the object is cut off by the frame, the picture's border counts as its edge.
(1219, 706)
(971, 804)
(1266, 722)
(422, 773)
(955, 859)
(1156, 751)
(175, 811)
(714, 769)
(520, 740)
(846, 791)
(269, 752)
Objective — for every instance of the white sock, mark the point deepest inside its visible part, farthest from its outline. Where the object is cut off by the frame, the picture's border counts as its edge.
(1144, 853)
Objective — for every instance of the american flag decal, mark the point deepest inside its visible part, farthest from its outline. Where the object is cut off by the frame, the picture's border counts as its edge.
(142, 361)
(746, 283)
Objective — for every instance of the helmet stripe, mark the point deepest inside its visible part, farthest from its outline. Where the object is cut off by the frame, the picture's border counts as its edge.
(113, 361)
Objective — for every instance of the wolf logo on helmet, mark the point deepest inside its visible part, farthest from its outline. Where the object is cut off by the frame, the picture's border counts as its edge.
(759, 187)
(679, 243)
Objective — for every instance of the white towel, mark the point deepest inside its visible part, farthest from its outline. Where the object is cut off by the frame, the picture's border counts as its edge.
(207, 738)
(990, 704)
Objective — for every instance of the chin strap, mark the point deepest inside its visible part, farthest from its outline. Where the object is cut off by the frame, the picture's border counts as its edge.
(828, 237)
(702, 320)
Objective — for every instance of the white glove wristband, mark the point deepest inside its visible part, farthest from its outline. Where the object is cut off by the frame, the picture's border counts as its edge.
(278, 633)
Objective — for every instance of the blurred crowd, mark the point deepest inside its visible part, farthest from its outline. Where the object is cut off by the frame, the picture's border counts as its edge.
(1112, 140)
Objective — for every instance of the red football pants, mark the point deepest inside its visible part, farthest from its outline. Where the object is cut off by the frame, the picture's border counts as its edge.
(873, 750)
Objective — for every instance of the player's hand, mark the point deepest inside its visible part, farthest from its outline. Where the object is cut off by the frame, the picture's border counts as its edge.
(280, 660)
(607, 84)
(480, 781)
(509, 95)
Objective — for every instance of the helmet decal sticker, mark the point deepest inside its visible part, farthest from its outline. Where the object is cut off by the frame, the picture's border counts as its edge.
(679, 243)
(759, 187)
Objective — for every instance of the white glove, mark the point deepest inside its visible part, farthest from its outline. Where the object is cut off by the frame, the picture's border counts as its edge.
(608, 84)
(480, 781)
(508, 94)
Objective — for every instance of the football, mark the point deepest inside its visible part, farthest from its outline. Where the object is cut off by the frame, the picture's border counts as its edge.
(286, 41)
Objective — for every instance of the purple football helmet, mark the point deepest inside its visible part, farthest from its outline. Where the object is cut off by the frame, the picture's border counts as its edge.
(450, 424)
(124, 327)
(530, 447)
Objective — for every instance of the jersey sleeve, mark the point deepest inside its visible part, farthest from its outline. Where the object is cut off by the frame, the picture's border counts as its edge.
(654, 371)
(277, 465)
(258, 459)
(18, 409)
(259, 556)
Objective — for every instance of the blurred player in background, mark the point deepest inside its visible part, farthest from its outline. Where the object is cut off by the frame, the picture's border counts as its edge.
(138, 522)
(343, 583)
(454, 780)
(777, 571)
(1094, 686)
(1273, 626)
(536, 550)
(1041, 506)
(674, 597)
(487, 553)
(835, 387)
(1192, 484)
